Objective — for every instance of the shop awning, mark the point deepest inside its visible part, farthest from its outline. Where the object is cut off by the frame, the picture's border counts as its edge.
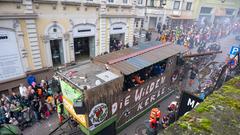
(220, 12)
(142, 56)
(182, 17)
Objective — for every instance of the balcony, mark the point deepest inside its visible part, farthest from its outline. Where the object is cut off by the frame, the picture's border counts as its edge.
(119, 3)
(176, 12)
(11, 1)
(181, 14)
(155, 10)
(91, 3)
(45, 1)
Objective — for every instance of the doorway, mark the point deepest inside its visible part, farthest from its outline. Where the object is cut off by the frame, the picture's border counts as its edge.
(116, 42)
(83, 48)
(152, 23)
(57, 52)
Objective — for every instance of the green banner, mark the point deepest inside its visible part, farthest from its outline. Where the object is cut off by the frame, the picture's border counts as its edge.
(69, 92)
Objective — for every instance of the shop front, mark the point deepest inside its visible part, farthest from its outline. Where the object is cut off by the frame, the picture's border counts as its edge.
(84, 41)
(117, 36)
(55, 46)
(152, 23)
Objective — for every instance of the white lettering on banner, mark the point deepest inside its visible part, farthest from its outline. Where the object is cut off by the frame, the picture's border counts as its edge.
(157, 84)
(152, 87)
(163, 79)
(121, 105)
(114, 107)
(143, 91)
(152, 98)
(163, 90)
(196, 104)
(139, 106)
(126, 100)
(138, 94)
(146, 90)
(158, 93)
(146, 102)
(192, 103)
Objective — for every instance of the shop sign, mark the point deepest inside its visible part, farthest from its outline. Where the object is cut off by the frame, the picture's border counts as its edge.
(98, 113)
(3, 37)
(10, 59)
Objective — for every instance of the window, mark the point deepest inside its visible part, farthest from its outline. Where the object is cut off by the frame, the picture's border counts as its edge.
(176, 5)
(189, 6)
(152, 3)
(125, 1)
(140, 2)
(110, 1)
(136, 24)
(206, 10)
(142, 23)
(229, 11)
(136, 21)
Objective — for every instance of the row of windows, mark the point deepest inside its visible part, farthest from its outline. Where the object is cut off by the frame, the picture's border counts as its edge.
(176, 5)
(137, 21)
(140, 2)
(208, 10)
(112, 1)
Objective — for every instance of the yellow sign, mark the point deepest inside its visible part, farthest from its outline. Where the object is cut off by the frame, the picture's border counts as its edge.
(69, 107)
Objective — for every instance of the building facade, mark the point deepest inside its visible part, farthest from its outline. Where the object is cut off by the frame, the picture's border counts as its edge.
(37, 35)
(169, 12)
(217, 11)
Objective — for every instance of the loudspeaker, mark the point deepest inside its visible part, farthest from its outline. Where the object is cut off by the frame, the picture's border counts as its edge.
(79, 107)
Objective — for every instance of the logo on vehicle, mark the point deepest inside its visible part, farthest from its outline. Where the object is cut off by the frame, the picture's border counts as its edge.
(98, 113)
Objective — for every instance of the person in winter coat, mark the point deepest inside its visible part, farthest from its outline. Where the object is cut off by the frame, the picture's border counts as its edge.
(35, 106)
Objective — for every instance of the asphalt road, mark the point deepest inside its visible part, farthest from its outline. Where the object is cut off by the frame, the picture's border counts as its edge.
(139, 126)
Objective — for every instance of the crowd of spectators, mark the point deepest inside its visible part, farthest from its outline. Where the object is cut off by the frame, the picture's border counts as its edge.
(197, 35)
(33, 103)
(116, 45)
(157, 122)
(141, 76)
